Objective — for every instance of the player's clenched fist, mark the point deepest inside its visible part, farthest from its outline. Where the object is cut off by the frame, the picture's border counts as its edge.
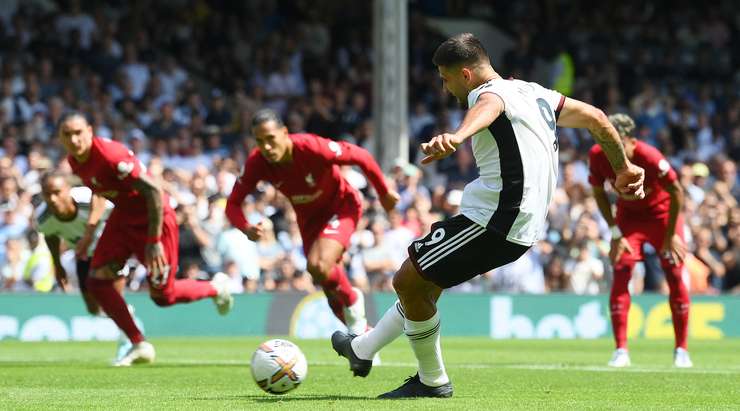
(156, 264)
(629, 181)
(389, 200)
(440, 147)
(255, 232)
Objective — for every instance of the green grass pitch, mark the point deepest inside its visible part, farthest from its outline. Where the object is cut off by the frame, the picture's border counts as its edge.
(213, 373)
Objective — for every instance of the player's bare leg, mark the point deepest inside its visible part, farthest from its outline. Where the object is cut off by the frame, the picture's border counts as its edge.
(91, 304)
(422, 326)
(101, 285)
(346, 302)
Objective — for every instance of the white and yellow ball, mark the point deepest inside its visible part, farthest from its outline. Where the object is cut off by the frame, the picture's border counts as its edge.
(278, 366)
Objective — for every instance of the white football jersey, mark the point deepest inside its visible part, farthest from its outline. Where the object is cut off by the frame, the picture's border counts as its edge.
(71, 231)
(517, 156)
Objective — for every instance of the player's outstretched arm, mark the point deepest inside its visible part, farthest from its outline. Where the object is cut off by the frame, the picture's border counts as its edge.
(484, 112)
(244, 185)
(605, 207)
(577, 114)
(60, 273)
(344, 153)
(97, 209)
(619, 244)
(673, 246)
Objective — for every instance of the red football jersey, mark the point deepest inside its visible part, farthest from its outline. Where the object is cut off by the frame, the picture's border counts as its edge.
(658, 174)
(311, 181)
(110, 172)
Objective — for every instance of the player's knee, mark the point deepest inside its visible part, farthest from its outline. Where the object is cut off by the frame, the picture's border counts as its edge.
(161, 301)
(106, 272)
(162, 298)
(404, 281)
(318, 268)
(93, 308)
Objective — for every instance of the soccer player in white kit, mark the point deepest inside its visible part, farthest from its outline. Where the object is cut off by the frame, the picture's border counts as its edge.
(512, 124)
(75, 215)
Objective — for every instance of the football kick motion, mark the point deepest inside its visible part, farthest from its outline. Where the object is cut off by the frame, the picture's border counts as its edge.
(512, 124)
(655, 219)
(305, 168)
(67, 214)
(142, 223)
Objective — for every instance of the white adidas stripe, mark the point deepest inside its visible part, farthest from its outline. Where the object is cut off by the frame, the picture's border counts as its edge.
(450, 242)
(465, 241)
(438, 246)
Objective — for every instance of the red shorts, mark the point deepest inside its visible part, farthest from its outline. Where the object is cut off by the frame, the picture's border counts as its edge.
(120, 240)
(639, 231)
(338, 224)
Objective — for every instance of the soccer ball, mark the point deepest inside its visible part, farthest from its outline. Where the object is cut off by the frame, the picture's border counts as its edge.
(278, 366)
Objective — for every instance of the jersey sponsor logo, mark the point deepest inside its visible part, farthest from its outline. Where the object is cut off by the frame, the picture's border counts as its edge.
(305, 198)
(663, 167)
(330, 231)
(310, 180)
(124, 168)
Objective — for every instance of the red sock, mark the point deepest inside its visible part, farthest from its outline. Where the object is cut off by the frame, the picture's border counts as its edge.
(115, 306)
(338, 291)
(619, 302)
(679, 302)
(336, 306)
(338, 283)
(184, 291)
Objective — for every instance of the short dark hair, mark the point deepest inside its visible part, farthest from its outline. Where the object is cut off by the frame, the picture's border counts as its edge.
(53, 174)
(69, 114)
(264, 115)
(460, 49)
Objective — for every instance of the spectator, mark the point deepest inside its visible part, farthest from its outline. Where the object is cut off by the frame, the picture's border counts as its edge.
(13, 264)
(524, 275)
(165, 127)
(270, 252)
(378, 259)
(233, 245)
(76, 22)
(218, 114)
(585, 271)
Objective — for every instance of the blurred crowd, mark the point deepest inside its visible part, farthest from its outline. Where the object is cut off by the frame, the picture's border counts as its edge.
(178, 81)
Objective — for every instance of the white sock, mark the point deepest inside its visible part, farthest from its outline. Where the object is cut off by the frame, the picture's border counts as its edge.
(388, 329)
(424, 338)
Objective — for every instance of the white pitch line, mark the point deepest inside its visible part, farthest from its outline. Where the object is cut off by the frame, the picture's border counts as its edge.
(637, 369)
(523, 366)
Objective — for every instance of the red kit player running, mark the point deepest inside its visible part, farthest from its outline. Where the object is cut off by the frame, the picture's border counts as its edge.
(655, 219)
(141, 223)
(304, 167)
